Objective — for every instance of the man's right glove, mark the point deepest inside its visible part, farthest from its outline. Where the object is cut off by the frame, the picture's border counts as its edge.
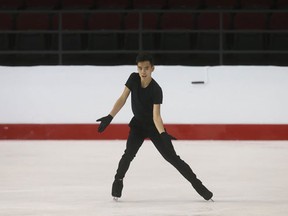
(167, 137)
(105, 121)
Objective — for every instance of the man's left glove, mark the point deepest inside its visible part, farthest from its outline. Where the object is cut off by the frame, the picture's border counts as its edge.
(105, 121)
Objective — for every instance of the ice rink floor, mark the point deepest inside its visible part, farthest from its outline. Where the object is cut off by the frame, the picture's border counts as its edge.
(73, 178)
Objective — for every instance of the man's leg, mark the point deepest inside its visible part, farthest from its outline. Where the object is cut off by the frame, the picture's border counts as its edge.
(168, 152)
(134, 142)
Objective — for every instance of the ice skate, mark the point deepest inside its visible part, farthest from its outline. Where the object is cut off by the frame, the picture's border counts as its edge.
(203, 191)
(117, 187)
(207, 195)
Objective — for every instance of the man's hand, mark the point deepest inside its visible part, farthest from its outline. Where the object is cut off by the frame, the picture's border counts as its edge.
(105, 121)
(167, 137)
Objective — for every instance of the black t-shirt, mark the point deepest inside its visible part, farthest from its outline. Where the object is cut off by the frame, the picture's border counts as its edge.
(143, 99)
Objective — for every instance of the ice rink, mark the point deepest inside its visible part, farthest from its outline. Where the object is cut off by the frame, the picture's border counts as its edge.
(73, 178)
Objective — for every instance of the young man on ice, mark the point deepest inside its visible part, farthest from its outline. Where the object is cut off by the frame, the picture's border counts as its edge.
(146, 98)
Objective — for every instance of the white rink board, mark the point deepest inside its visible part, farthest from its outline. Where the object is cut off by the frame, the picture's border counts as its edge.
(82, 94)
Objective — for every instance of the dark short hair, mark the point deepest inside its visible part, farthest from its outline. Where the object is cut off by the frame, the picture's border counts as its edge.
(145, 57)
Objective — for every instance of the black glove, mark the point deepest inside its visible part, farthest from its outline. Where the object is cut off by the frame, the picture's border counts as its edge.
(105, 121)
(167, 137)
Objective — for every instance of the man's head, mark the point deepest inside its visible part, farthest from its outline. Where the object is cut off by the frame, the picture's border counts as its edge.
(145, 66)
(141, 57)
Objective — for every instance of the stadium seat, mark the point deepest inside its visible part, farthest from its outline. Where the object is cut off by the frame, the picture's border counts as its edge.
(77, 4)
(278, 40)
(104, 41)
(32, 21)
(43, 4)
(221, 4)
(11, 4)
(249, 40)
(180, 40)
(113, 4)
(278, 21)
(256, 4)
(104, 21)
(150, 21)
(32, 41)
(149, 4)
(6, 24)
(131, 22)
(211, 21)
(282, 4)
(177, 40)
(184, 4)
(70, 21)
(71, 40)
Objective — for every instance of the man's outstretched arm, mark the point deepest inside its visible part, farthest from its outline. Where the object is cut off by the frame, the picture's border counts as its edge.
(120, 102)
(106, 120)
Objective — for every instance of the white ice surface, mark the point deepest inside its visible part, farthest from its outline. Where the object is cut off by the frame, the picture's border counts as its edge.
(73, 178)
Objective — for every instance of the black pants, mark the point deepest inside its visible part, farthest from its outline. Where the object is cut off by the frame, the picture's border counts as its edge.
(138, 132)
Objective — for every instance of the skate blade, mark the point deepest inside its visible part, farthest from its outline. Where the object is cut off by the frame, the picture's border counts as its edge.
(115, 199)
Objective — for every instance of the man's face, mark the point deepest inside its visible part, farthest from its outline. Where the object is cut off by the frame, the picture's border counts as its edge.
(145, 70)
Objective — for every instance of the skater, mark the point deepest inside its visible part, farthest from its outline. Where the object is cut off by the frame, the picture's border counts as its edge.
(146, 97)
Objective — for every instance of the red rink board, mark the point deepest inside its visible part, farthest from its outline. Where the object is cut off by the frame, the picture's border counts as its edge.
(120, 131)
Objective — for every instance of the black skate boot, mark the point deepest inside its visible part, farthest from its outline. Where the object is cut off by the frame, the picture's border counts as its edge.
(117, 187)
(202, 190)
(207, 195)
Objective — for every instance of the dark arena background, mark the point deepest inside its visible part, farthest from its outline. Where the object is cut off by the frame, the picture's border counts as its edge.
(110, 32)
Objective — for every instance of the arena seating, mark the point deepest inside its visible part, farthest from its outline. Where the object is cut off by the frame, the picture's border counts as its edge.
(149, 22)
(6, 24)
(103, 25)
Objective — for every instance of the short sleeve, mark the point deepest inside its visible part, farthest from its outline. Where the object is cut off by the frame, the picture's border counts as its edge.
(158, 95)
(130, 81)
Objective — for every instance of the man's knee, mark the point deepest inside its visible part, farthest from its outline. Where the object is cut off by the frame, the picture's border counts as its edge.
(129, 156)
(172, 158)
